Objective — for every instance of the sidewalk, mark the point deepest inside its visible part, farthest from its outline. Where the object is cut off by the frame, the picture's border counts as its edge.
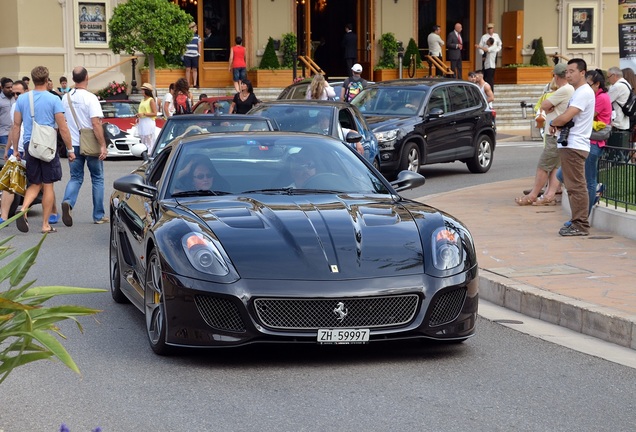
(587, 284)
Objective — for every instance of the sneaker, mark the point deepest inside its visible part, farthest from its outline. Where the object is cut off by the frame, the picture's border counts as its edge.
(571, 231)
(102, 221)
(67, 216)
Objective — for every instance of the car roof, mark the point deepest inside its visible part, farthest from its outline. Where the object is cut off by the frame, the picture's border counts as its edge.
(185, 117)
(119, 101)
(305, 102)
(418, 82)
(270, 135)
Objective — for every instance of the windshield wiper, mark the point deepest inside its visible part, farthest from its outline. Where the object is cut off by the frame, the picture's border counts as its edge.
(294, 191)
(199, 193)
(286, 190)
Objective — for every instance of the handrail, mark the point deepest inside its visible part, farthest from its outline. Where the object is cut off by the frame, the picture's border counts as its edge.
(439, 64)
(114, 66)
(559, 56)
(311, 65)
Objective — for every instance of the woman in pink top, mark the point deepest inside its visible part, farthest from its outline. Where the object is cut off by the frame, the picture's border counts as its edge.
(238, 65)
(602, 113)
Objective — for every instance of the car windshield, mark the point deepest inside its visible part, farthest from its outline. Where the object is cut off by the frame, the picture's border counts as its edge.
(243, 164)
(120, 109)
(390, 101)
(216, 107)
(299, 118)
(179, 127)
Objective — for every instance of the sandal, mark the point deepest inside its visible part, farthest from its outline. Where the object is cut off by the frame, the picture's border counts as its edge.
(543, 201)
(49, 231)
(524, 200)
(22, 224)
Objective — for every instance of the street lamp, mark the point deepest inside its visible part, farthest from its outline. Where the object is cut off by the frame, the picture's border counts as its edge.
(133, 83)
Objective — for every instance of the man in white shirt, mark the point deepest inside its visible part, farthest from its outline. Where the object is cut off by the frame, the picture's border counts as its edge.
(435, 43)
(575, 126)
(489, 52)
(88, 114)
(618, 93)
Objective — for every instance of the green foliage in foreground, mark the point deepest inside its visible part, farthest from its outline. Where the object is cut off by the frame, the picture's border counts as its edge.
(28, 329)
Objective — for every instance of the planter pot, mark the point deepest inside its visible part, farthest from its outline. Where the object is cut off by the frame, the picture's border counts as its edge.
(385, 74)
(524, 75)
(270, 77)
(163, 77)
(121, 96)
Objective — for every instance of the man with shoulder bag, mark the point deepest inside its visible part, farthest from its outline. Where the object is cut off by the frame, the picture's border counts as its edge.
(44, 111)
(84, 117)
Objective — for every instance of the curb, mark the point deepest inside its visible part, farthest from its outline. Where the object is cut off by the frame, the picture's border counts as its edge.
(587, 318)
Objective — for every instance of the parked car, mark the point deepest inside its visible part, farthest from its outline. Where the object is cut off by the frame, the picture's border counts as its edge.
(224, 240)
(213, 105)
(298, 90)
(426, 121)
(306, 115)
(182, 126)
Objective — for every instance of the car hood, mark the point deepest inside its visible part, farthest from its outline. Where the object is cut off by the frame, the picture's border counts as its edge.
(327, 238)
(382, 123)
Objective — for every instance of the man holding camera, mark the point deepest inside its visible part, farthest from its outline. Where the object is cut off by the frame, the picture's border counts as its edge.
(575, 126)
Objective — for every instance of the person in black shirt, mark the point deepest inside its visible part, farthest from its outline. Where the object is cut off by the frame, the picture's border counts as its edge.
(245, 99)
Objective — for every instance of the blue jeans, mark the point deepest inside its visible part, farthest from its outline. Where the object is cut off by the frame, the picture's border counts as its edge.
(591, 173)
(96, 169)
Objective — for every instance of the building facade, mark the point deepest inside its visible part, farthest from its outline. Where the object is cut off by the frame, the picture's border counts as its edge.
(64, 33)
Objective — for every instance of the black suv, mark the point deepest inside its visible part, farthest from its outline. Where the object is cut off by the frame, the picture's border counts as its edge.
(426, 121)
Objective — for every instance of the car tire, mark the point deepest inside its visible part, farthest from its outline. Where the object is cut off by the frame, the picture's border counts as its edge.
(115, 269)
(482, 160)
(376, 164)
(154, 306)
(411, 158)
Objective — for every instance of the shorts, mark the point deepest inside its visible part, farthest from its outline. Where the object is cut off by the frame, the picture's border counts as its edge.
(549, 158)
(191, 62)
(38, 171)
(239, 74)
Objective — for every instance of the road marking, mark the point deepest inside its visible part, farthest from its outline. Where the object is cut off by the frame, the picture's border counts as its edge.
(558, 335)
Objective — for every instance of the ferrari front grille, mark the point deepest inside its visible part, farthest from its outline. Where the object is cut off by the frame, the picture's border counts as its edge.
(311, 314)
(447, 307)
(220, 313)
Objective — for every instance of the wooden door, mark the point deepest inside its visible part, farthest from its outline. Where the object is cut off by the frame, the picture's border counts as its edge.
(366, 37)
(512, 37)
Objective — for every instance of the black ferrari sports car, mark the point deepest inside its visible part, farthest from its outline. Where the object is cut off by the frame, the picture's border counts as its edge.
(228, 239)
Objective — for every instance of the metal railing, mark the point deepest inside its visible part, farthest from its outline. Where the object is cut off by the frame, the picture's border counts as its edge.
(617, 172)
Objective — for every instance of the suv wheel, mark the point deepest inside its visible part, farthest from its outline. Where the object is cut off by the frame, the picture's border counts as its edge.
(482, 160)
(410, 158)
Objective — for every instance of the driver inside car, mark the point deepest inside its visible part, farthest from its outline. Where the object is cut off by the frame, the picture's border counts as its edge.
(302, 168)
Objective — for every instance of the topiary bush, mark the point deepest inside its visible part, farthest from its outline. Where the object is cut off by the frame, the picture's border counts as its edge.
(412, 49)
(538, 57)
(389, 45)
(269, 60)
(289, 48)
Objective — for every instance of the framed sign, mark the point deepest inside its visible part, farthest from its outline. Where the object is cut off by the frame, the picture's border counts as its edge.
(91, 24)
(581, 25)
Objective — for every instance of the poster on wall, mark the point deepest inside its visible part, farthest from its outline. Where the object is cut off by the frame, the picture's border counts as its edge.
(91, 24)
(582, 25)
(627, 33)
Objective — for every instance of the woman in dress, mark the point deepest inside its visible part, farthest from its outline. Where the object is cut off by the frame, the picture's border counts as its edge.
(244, 100)
(146, 117)
(319, 89)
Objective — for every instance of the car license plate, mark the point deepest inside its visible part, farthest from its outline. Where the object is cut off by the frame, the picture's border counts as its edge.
(343, 336)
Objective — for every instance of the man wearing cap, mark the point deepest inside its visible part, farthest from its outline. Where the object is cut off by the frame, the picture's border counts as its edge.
(435, 44)
(353, 85)
(489, 52)
(554, 105)
(88, 114)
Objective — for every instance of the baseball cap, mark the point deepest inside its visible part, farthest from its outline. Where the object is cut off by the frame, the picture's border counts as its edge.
(559, 69)
(357, 68)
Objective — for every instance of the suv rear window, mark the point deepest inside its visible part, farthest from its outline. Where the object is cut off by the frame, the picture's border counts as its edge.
(460, 98)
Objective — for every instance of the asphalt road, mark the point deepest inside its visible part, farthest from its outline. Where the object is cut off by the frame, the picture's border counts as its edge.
(500, 380)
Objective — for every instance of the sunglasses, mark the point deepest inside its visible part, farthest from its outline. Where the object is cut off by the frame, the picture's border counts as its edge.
(16, 94)
(203, 176)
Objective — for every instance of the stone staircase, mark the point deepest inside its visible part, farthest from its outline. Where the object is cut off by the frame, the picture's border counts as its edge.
(508, 99)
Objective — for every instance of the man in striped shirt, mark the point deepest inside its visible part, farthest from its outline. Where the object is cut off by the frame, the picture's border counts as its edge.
(191, 57)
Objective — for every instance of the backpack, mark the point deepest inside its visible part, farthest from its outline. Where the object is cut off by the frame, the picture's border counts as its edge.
(182, 105)
(354, 88)
(629, 107)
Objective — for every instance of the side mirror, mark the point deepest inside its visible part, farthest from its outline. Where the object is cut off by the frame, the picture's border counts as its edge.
(140, 150)
(353, 137)
(436, 113)
(407, 180)
(134, 184)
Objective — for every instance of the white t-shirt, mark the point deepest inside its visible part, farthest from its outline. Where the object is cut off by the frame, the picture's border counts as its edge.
(86, 107)
(619, 93)
(583, 99)
(168, 99)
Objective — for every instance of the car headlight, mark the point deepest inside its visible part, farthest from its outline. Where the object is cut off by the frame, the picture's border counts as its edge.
(447, 248)
(386, 136)
(203, 254)
(113, 129)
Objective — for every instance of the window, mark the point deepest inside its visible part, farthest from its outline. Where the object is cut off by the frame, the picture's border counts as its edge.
(439, 99)
(216, 31)
(459, 98)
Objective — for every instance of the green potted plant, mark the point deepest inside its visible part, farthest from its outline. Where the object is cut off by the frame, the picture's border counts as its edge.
(269, 73)
(412, 52)
(386, 68)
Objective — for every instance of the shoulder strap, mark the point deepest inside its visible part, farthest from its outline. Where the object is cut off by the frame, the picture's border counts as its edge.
(630, 91)
(70, 105)
(31, 103)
